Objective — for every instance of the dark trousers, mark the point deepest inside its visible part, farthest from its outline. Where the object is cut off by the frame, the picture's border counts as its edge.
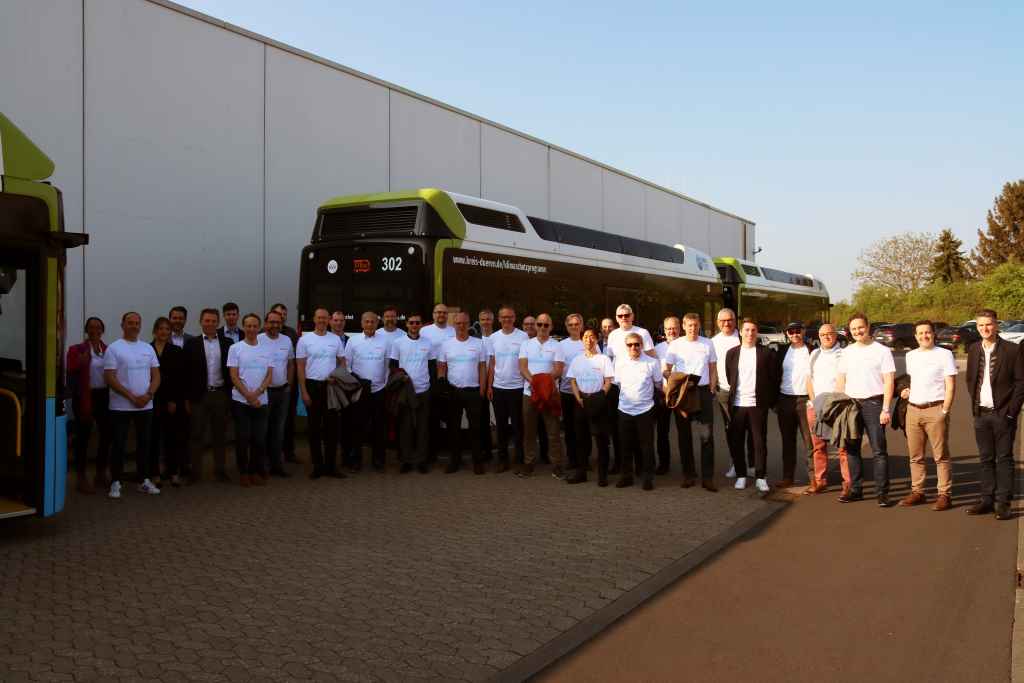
(703, 423)
(169, 437)
(368, 421)
(792, 414)
(486, 444)
(613, 425)
(636, 434)
(725, 412)
(288, 436)
(440, 437)
(663, 421)
(748, 424)
(464, 400)
(508, 413)
(121, 421)
(279, 401)
(322, 426)
(587, 430)
(83, 432)
(250, 436)
(569, 408)
(994, 434)
(414, 431)
(870, 411)
(209, 413)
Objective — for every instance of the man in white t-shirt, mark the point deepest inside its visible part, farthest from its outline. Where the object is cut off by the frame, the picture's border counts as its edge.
(132, 371)
(572, 346)
(505, 385)
(794, 369)
(824, 364)
(485, 328)
(639, 378)
(282, 353)
(414, 355)
(316, 356)
(539, 357)
(932, 370)
(366, 356)
(866, 374)
(728, 337)
(693, 354)
(662, 413)
(615, 348)
(437, 333)
(389, 329)
(753, 386)
(463, 362)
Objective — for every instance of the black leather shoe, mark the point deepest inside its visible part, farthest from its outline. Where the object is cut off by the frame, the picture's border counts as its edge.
(648, 485)
(316, 473)
(453, 467)
(662, 468)
(624, 482)
(279, 473)
(479, 468)
(981, 508)
(579, 477)
(883, 501)
(602, 482)
(337, 474)
(851, 497)
(423, 467)
(1003, 511)
(406, 468)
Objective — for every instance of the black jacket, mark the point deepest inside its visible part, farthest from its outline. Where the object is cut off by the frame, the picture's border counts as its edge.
(1007, 376)
(172, 384)
(195, 366)
(766, 390)
(780, 358)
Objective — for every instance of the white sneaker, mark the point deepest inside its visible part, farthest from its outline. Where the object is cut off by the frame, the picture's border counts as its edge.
(732, 472)
(762, 485)
(148, 487)
(115, 490)
(741, 483)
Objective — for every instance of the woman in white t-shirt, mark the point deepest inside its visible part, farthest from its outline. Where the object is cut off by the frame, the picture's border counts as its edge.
(590, 377)
(250, 365)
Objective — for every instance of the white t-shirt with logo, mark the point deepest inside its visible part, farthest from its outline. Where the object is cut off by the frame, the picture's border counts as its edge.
(616, 348)
(570, 349)
(796, 368)
(252, 361)
(392, 336)
(505, 350)
(824, 365)
(321, 353)
(928, 371)
(367, 357)
(722, 344)
(281, 351)
(414, 356)
(864, 366)
(437, 335)
(540, 358)
(692, 357)
(637, 379)
(132, 362)
(463, 360)
(746, 378)
(590, 372)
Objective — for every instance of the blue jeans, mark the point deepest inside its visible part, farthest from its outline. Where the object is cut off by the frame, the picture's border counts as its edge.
(870, 412)
(120, 421)
(250, 436)
(280, 400)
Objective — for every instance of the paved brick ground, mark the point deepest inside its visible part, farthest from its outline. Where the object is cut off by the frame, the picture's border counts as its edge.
(379, 577)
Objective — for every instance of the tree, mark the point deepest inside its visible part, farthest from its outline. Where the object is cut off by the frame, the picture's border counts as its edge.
(949, 263)
(901, 263)
(1003, 239)
(1004, 290)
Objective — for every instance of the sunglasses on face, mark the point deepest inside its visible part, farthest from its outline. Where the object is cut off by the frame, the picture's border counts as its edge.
(794, 331)
(413, 322)
(543, 324)
(622, 315)
(633, 345)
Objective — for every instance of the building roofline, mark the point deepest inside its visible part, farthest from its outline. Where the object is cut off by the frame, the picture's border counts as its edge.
(173, 6)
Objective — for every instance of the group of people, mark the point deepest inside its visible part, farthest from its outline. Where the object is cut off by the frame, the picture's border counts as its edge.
(610, 389)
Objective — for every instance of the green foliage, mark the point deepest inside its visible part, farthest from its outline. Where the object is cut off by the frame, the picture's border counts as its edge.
(949, 263)
(1003, 290)
(1003, 238)
(951, 303)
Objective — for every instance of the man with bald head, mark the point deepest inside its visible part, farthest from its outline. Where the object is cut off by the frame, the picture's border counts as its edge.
(366, 357)
(824, 370)
(541, 355)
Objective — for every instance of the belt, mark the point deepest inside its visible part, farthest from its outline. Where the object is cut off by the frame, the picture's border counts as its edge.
(925, 406)
(285, 386)
(212, 388)
(983, 409)
(804, 396)
(876, 397)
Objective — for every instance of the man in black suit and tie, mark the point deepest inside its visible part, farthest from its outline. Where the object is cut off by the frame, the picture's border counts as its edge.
(208, 393)
(753, 388)
(995, 379)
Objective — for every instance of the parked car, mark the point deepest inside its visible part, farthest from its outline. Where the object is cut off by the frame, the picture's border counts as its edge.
(771, 336)
(1006, 324)
(1013, 332)
(896, 336)
(960, 336)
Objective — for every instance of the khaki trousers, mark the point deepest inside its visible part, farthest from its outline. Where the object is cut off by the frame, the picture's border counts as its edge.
(929, 426)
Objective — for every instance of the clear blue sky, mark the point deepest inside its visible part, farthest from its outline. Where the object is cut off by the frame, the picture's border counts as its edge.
(829, 127)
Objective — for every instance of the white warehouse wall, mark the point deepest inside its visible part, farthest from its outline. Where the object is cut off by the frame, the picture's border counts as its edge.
(197, 153)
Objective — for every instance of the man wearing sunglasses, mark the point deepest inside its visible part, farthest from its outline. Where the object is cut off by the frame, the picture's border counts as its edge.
(541, 355)
(794, 369)
(617, 351)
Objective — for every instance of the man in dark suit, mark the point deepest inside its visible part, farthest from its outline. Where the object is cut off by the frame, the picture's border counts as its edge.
(995, 380)
(753, 388)
(208, 393)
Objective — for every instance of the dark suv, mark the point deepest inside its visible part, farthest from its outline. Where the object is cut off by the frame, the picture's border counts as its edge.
(958, 337)
(896, 335)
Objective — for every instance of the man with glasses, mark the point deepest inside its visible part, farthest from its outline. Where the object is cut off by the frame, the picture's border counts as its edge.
(693, 354)
(639, 377)
(793, 371)
(728, 337)
(463, 361)
(824, 369)
(414, 354)
(572, 346)
(541, 355)
(615, 348)
(866, 374)
(505, 385)
(530, 326)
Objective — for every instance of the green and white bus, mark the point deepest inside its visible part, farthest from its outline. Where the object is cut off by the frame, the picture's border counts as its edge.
(771, 296)
(414, 249)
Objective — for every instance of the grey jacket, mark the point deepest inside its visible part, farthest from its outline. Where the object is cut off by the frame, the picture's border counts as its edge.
(344, 391)
(837, 418)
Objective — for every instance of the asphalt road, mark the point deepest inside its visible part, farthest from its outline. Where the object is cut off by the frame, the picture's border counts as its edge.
(831, 592)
